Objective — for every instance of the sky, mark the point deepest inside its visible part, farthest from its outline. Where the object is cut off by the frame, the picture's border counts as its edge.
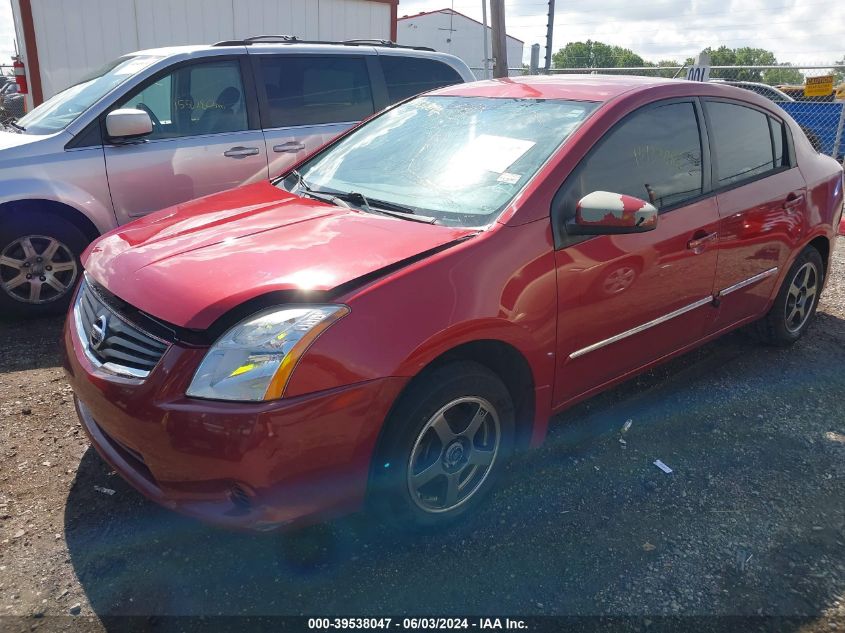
(7, 32)
(798, 31)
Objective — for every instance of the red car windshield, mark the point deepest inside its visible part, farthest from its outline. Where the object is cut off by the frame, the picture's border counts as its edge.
(459, 160)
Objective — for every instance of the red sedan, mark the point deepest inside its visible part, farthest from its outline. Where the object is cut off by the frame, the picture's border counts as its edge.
(385, 324)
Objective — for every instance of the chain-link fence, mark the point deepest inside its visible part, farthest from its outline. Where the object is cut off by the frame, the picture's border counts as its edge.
(805, 92)
(12, 104)
(481, 73)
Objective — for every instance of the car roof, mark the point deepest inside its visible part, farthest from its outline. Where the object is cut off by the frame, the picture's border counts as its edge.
(301, 47)
(575, 87)
(294, 46)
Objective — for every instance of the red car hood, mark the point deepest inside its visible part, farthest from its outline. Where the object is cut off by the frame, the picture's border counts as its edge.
(190, 264)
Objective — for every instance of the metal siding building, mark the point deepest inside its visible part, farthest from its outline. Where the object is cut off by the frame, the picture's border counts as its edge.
(449, 31)
(62, 40)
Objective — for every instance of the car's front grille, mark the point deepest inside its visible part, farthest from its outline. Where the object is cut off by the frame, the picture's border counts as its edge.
(110, 341)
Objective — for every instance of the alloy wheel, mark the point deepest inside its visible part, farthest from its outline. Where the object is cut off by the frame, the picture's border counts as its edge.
(37, 269)
(801, 297)
(454, 454)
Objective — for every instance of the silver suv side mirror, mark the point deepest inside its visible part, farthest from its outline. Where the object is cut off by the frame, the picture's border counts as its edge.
(128, 123)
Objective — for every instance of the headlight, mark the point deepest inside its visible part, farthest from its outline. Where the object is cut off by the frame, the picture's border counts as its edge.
(254, 360)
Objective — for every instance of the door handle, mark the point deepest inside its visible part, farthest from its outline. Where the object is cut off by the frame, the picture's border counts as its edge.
(291, 147)
(793, 201)
(700, 240)
(240, 152)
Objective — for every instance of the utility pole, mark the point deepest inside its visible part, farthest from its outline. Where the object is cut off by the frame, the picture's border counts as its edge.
(534, 67)
(500, 45)
(549, 28)
(486, 47)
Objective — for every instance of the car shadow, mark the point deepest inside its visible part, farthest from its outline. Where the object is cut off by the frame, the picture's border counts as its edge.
(749, 522)
(31, 343)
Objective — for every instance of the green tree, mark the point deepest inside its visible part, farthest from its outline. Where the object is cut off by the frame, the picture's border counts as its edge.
(839, 74)
(785, 75)
(664, 68)
(591, 54)
(743, 56)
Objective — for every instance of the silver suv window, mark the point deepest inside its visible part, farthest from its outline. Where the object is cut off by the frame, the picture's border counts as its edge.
(409, 76)
(203, 98)
(61, 110)
(306, 90)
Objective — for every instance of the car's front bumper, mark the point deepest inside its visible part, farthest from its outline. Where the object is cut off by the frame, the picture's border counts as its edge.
(240, 465)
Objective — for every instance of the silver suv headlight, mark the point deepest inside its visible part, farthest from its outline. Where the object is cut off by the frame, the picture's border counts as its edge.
(254, 360)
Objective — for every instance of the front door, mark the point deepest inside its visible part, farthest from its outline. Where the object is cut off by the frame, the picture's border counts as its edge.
(762, 203)
(202, 141)
(308, 100)
(627, 300)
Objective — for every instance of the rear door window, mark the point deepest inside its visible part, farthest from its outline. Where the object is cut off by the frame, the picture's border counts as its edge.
(408, 76)
(315, 90)
(781, 159)
(742, 140)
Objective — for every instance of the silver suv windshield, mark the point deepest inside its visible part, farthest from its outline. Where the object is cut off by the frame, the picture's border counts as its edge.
(61, 110)
(458, 160)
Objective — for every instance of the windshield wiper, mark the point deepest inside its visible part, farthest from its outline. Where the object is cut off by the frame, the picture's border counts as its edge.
(300, 180)
(16, 126)
(355, 197)
(322, 196)
(384, 207)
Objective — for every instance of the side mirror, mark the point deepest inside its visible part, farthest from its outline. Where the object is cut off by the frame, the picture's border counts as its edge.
(607, 213)
(128, 124)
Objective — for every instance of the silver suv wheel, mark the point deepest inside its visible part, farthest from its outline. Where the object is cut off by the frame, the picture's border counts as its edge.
(37, 269)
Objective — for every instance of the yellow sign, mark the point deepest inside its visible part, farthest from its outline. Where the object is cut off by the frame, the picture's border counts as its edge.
(818, 86)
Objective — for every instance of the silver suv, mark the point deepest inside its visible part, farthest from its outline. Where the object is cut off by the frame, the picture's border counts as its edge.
(163, 126)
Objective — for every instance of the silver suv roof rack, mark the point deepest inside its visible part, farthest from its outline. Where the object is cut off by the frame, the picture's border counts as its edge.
(292, 39)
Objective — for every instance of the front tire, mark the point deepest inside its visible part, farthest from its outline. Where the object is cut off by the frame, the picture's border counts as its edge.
(796, 303)
(39, 264)
(443, 446)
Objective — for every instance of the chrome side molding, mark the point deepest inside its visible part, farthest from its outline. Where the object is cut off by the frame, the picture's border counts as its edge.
(667, 317)
(641, 328)
(747, 282)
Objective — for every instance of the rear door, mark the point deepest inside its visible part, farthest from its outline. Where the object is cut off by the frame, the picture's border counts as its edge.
(627, 300)
(307, 100)
(762, 200)
(206, 138)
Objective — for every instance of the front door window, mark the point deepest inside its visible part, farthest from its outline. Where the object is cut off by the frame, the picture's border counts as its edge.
(194, 100)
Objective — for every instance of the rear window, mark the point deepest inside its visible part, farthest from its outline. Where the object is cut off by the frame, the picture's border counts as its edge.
(743, 142)
(315, 90)
(409, 76)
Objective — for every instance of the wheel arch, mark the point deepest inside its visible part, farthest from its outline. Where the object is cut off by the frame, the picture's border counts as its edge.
(50, 207)
(822, 244)
(508, 363)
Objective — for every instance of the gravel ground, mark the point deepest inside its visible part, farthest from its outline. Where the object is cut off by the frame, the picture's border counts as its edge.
(751, 521)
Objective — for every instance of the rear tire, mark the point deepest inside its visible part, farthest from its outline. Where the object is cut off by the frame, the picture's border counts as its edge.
(796, 303)
(443, 446)
(39, 264)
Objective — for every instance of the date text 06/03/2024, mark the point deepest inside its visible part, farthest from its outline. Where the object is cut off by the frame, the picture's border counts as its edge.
(416, 623)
